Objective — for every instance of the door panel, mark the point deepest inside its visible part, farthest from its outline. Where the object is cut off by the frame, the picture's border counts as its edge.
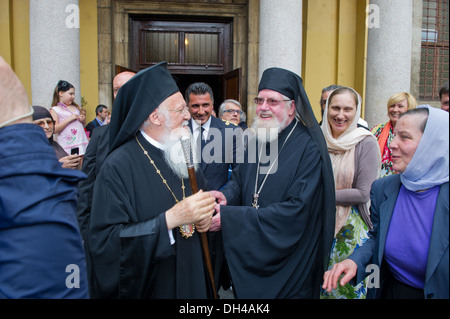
(232, 85)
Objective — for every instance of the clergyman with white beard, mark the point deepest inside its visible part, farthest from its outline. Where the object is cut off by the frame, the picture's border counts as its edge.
(144, 230)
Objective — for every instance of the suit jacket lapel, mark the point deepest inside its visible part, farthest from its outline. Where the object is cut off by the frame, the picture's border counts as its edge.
(211, 125)
(194, 147)
(386, 209)
(439, 242)
(214, 124)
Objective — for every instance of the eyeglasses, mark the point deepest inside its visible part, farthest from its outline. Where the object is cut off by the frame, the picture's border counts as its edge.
(270, 101)
(184, 109)
(231, 111)
(42, 123)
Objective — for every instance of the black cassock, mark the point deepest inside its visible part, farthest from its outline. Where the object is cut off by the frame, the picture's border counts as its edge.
(128, 238)
(276, 251)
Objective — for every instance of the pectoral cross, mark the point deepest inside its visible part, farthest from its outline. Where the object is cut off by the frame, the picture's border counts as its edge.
(255, 201)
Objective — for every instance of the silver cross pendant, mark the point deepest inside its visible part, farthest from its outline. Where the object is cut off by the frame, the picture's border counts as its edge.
(255, 201)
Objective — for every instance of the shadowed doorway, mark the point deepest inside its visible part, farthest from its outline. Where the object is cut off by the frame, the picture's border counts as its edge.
(196, 50)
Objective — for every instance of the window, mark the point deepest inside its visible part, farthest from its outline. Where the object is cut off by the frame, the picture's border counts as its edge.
(201, 48)
(187, 46)
(161, 46)
(435, 48)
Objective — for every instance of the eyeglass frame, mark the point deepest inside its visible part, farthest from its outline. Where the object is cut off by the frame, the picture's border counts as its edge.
(42, 122)
(185, 108)
(233, 111)
(273, 102)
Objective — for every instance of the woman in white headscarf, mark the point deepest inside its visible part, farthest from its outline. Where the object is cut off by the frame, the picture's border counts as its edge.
(408, 247)
(355, 158)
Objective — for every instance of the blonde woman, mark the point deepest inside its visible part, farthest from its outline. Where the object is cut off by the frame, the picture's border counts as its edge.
(397, 104)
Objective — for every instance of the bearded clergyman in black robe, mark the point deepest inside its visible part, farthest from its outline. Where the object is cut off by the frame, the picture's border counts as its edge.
(278, 222)
(143, 235)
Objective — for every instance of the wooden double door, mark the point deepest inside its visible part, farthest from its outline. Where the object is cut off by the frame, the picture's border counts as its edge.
(196, 50)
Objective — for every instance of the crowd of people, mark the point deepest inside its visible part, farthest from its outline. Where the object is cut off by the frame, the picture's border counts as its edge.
(123, 207)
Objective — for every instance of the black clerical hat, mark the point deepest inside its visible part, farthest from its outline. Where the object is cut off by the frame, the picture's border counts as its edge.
(137, 99)
(291, 85)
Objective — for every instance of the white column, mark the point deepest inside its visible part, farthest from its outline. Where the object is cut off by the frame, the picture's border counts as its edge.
(54, 48)
(389, 59)
(280, 35)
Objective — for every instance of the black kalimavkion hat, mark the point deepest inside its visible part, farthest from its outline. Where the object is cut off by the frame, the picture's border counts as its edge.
(291, 85)
(137, 99)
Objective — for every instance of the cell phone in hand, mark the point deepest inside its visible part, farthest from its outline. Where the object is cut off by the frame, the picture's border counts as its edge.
(74, 151)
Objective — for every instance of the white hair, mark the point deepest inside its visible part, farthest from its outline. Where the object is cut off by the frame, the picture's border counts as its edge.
(224, 103)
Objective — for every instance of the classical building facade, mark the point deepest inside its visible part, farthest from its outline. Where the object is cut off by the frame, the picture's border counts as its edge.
(378, 47)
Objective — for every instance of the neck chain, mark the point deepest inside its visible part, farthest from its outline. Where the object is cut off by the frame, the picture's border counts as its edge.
(65, 107)
(185, 230)
(258, 191)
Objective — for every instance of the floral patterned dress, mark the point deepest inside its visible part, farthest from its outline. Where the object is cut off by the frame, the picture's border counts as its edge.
(352, 235)
(73, 135)
(386, 159)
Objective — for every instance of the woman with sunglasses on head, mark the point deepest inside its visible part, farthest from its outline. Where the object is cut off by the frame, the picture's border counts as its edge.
(43, 118)
(69, 121)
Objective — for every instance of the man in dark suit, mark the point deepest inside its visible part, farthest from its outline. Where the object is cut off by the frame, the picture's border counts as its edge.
(214, 163)
(101, 114)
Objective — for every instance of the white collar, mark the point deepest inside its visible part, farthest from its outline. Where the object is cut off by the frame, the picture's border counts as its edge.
(152, 141)
(206, 126)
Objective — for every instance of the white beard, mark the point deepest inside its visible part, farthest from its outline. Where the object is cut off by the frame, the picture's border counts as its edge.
(267, 131)
(173, 151)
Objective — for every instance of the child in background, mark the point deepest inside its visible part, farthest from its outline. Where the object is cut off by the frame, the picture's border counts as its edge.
(69, 121)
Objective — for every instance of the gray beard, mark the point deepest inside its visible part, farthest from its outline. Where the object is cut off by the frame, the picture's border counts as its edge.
(268, 131)
(173, 152)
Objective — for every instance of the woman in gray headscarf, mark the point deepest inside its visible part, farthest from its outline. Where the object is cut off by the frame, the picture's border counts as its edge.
(408, 247)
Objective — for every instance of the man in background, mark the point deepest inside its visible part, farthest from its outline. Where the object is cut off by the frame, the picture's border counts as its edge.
(101, 114)
(207, 129)
(230, 111)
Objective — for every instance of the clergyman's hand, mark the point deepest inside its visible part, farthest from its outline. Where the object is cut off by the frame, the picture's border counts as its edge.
(330, 278)
(219, 196)
(216, 223)
(191, 210)
(203, 225)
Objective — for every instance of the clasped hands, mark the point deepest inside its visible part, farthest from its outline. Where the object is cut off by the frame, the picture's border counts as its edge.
(197, 209)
